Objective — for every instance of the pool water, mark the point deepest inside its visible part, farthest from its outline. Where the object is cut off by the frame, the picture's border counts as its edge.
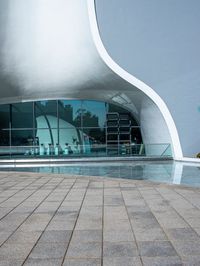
(159, 171)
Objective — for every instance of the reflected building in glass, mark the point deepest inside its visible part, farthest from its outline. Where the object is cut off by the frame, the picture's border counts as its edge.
(75, 127)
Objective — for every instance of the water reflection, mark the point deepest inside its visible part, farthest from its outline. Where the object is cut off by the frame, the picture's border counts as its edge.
(167, 172)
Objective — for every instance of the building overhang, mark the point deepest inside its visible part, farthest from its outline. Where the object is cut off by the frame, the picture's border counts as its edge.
(54, 51)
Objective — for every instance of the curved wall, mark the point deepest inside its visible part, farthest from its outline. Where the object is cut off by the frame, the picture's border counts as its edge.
(52, 49)
(158, 42)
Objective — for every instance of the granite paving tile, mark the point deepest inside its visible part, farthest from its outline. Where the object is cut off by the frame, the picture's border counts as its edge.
(87, 236)
(56, 236)
(50, 250)
(156, 249)
(119, 261)
(162, 261)
(118, 235)
(43, 262)
(82, 262)
(120, 249)
(186, 234)
(163, 219)
(187, 248)
(16, 251)
(191, 260)
(84, 250)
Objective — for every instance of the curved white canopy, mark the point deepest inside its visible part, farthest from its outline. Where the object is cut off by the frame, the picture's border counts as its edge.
(51, 49)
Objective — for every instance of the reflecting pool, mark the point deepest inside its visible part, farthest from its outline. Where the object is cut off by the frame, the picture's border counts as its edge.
(158, 171)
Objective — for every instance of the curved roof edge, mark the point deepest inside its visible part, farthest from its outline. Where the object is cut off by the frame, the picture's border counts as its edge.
(134, 81)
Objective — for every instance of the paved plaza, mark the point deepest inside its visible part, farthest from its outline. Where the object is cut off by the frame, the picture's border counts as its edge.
(49, 219)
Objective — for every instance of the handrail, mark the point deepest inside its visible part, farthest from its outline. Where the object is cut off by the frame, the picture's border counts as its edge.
(95, 149)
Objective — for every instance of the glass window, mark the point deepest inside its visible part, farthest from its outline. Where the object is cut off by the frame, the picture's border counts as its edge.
(69, 113)
(123, 114)
(112, 108)
(22, 137)
(94, 135)
(136, 137)
(4, 116)
(47, 136)
(94, 141)
(72, 138)
(22, 115)
(94, 114)
(4, 137)
(46, 114)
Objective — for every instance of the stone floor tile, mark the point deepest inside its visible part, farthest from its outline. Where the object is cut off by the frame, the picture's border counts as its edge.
(4, 235)
(162, 261)
(143, 224)
(187, 248)
(138, 215)
(119, 261)
(11, 262)
(56, 236)
(113, 200)
(194, 222)
(87, 236)
(49, 250)
(173, 223)
(119, 249)
(89, 224)
(156, 249)
(36, 222)
(82, 262)
(15, 251)
(137, 209)
(149, 234)
(185, 234)
(117, 225)
(118, 235)
(24, 237)
(151, 220)
(197, 230)
(84, 250)
(43, 262)
(60, 225)
(191, 260)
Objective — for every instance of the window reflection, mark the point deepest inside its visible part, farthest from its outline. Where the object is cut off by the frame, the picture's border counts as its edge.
(69, 113)
(46, 114)
(68, 127)
(94, 114)
(4, 137)
(72, 138)
(4, 116)
(22, 137)
(47, 136)
(22, 115)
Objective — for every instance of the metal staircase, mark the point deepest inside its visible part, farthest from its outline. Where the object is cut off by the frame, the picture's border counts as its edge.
(118, 137)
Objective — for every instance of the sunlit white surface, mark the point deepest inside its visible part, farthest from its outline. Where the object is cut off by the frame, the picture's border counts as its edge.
(52, 50)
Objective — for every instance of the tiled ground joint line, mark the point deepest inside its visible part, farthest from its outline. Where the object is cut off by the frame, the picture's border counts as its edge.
(14, 194)
(17, 183)
(163, 228)
(131, 225)
(178, 212)
(27, 196)
(51, 218)
(64, 257)
(33, 209)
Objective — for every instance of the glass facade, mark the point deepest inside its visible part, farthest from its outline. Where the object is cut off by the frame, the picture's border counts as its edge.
(67, 128)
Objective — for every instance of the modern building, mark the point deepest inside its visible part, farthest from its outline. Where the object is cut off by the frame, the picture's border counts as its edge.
(61, 94)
